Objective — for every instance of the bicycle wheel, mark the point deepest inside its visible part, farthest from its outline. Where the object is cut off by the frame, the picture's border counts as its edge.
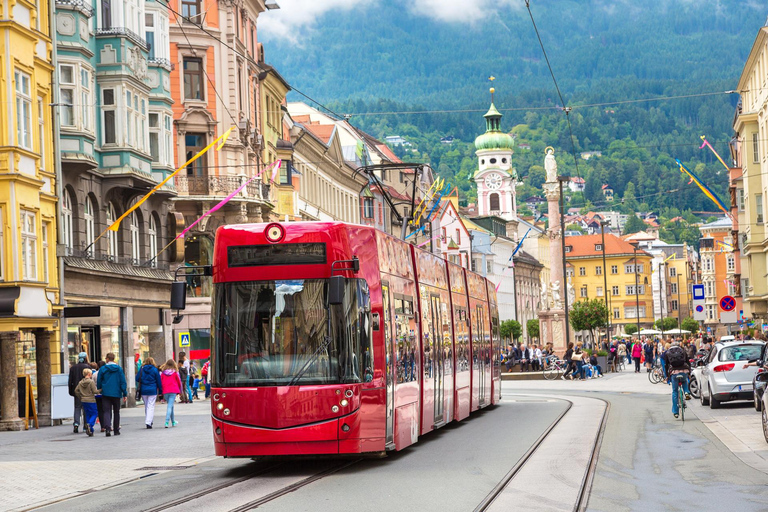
(681, 400)
(654, 376)
(551, 371)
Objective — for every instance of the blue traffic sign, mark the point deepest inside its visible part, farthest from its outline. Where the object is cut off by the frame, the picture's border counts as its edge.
(698, 292)
(727, 303)
(699, 308)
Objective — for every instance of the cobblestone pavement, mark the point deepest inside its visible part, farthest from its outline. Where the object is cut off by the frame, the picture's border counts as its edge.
(53, 463)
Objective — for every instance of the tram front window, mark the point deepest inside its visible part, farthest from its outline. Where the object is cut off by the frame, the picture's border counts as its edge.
(278, 333)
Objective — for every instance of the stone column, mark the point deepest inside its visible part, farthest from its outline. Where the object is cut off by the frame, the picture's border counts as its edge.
(157, 346)
(9, 396)
(127, 351)
(43, 363)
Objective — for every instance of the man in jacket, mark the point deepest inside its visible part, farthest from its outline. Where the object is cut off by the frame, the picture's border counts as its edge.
(75, 376)
(525, 358)
(111, 382)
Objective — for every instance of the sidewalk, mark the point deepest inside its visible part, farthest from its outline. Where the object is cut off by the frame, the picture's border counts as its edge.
(622, 382)
(52, 463)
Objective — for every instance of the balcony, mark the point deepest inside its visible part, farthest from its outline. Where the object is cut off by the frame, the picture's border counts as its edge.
(105, 261)
(77, 5)
(216, 186)
(125, 32)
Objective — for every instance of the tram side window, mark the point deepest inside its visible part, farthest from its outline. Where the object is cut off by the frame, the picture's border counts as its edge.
(407, 364)
(496, 341)
(447, 345)
(462, 341)
(427, 331)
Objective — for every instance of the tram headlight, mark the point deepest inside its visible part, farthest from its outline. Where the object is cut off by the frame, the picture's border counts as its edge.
(226, 412)
(344, 402)
(274, 233)
(215, 397)
(220, 406)
(335, 408)
(348, 393)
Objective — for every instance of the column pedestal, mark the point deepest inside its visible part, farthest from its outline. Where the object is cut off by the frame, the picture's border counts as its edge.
(43, 363)
(9, 395)
(552, 327)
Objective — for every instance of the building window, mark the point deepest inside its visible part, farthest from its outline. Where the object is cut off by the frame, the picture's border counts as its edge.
(640, 268)
(29, 245)
(631, 312)
(568, 248)
(41, 129)
(195, 142)
(616, 314)
(709, 288)
(672, 272)
(569, 272)
(730, 263)
(23, 110)
(493, 202)
(193, 78)
(759, 207)
(149, 31)
(673, 305)
(582, 271)
(598, 247)
(614, 290)
(154, 136)
(673, 287)
(629, 269)
(489, 266)
(89, 213)
(368, 207)
(755, 148)
(599, 292)
(44, 233)
(108, 109)
(152, 240)
(106, 14)
(67, 95)
(710, 312)
(86, 100)
(111, 235)
(630, 289)
(66, 219)
(583, 292)
(458, 236)
(598, 271)
(135, 239)
(614, 269)
(740, 199)
(190, 8)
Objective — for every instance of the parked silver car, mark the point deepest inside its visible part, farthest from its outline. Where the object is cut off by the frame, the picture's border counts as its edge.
(723, 377)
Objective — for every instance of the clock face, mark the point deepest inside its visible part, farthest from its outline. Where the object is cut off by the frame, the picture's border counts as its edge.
(493, 181)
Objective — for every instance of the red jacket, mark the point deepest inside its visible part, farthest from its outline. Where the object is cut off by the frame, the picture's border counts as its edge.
(171, 381)
(637, 350)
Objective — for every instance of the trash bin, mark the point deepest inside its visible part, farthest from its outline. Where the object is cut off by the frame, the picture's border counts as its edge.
(62, 404)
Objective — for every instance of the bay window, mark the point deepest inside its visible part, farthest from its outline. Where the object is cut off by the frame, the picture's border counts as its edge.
(29, 245)
(23, 110)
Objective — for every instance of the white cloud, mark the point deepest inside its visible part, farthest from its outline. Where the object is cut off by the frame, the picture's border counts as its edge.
(462, 11)
(295, 16)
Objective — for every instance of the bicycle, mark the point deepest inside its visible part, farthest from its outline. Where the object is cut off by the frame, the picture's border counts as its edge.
(553, 367)
(681, 395)
(656, 375)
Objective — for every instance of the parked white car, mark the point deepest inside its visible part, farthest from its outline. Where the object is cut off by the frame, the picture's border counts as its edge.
(723, 377)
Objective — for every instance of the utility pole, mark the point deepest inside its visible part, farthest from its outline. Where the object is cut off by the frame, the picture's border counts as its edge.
(561, 179)
(605, 284)
(679, 306)
(661, 304)
(637, 286)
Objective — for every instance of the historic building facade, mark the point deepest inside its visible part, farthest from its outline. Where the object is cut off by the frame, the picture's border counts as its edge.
(717, 261)
(115, 118)
(30, 299)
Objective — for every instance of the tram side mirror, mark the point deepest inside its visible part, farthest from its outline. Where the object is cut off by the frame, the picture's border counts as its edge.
(178, 295)
(336, 290)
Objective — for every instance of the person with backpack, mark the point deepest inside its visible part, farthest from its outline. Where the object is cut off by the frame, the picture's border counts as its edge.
(75, 376)
(678, 365)
(149, 385)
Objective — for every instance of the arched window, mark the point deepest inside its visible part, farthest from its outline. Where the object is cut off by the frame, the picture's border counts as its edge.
(493, 202)
(152, 240)
(111, 235)
(135, 242)
(66, 214)
(89, 212)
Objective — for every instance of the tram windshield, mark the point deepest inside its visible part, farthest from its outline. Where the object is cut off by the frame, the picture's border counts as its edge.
(278, 333)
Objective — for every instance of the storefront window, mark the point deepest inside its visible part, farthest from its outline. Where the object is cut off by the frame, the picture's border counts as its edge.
(96, 336)
(140, 344)
(25, 358)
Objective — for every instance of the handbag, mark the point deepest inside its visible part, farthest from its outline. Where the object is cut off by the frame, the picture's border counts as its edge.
(575, 357)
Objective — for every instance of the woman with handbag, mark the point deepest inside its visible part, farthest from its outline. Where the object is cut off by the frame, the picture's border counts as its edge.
(148, 386)
(569, 369)
(578, 360)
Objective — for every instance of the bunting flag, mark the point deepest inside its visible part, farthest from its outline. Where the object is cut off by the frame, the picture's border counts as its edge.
(704, 188)
(706, 143)
(510, 262)
(672, 257)
(422, 244)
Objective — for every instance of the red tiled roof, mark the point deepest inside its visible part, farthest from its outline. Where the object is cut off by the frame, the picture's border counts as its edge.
(577, 180)
(584, 245)
(387, 153)
(321, 131)
(302, 119)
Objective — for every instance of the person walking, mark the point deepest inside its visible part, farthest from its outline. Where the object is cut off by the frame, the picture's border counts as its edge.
(171, 385)
(569, 363)
(149, 384)
(183, 369)
(637, 352)
(649, 349)
(578, 360)
(204, 372)
(75, 376)
(86, 391)
(113, 388)
(99, 401)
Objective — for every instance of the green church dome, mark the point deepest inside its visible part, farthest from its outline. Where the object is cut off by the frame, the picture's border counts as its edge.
(493, 138)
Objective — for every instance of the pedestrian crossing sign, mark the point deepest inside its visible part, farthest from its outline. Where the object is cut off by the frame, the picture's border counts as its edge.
(184, 339)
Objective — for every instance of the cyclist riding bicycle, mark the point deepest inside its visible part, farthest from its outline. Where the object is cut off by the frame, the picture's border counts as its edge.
(679, 369)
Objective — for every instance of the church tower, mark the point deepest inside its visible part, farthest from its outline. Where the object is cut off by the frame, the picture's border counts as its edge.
(496, 179)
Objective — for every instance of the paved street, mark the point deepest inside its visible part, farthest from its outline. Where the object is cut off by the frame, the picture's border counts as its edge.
(647, 460)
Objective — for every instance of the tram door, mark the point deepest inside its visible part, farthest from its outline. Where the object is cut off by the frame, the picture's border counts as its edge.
(438, 356)
(480, 351)
(390, 358)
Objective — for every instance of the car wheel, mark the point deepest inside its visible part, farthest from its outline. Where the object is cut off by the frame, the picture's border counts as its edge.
(713, 402)
(693, 387)
(765, 425)
(758, 402)
(703, 397)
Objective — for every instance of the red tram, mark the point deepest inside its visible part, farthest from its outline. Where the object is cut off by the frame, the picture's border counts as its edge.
(333, 338)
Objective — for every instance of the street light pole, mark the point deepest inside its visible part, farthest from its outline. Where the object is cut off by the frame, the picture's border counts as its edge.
(605, 283)
(637, 287)
(564, 289)
(679, 308)
(661, 304)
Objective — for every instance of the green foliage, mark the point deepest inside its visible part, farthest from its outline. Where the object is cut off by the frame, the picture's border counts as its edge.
(634, 225)
(667, 323)
(630, 329)
(574, 227)
(532, 326)
(510, 329)
(689, 324)
(589, 315)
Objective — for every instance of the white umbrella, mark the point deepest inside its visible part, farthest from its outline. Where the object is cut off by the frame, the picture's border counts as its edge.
(649, 332)
(677, 331)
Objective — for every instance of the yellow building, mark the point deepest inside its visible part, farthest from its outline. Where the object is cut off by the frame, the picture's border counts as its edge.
(585, 269)
(29, 284)
(275, 144)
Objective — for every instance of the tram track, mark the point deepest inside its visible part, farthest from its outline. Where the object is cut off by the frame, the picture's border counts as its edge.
(582, 496)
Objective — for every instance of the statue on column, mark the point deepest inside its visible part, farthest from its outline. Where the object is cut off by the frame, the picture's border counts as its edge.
(550, 165)
(557, 301)
(571, 292)
(544, 295)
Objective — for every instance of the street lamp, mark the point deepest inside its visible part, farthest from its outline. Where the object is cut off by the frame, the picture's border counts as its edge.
(661, 303)
(679, 308)
(604, 223)
(564, 289)
(635, 243)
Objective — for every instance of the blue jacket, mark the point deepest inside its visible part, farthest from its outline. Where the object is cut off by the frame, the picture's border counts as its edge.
(111, 381)
(149, 376)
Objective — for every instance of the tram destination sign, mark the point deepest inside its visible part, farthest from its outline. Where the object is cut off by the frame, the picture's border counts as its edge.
(276, 254)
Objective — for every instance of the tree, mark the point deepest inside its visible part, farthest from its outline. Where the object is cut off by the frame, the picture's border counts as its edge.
(533, 327)
(630, 329)
(666, 324)
(689, 324)
(510, 329)
(589, 315)
(633, 225)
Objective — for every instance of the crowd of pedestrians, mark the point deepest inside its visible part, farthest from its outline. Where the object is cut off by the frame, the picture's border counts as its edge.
(100, 390)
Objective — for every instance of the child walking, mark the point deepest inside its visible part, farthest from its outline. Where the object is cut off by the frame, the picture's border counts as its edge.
(171, 385)
(86, 391)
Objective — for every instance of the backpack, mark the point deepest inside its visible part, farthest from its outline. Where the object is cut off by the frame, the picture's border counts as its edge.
(676, 357)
